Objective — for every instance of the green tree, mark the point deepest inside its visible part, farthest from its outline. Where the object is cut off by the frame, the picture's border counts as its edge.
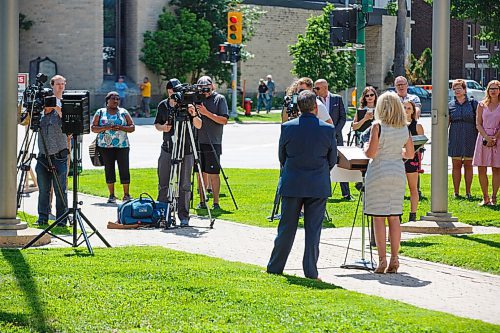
(215, 12)
(419, 71)
(484, 12)
(313, 57)
(178, 46)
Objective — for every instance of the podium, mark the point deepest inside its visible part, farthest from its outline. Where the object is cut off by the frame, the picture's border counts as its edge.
(354, 158)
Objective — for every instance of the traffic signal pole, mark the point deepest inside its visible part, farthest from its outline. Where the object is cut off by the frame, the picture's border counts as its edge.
(366, 7)
(234, 87)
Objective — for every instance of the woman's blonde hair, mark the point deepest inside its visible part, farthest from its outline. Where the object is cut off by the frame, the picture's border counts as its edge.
(389, 110)
(487, 98)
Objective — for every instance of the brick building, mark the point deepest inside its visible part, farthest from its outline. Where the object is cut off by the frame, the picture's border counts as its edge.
(92, 42)
(463, 45)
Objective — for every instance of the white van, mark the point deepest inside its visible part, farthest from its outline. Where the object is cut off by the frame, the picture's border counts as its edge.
(474, 89)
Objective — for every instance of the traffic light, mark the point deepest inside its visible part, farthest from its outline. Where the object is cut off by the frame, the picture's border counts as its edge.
(343, 27)
(223, 51)
(234, 27)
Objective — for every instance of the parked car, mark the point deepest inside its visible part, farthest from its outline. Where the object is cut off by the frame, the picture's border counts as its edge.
(424, 95)
(474, 89)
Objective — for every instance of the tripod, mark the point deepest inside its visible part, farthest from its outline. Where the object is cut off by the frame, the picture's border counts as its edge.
(362, 263)
(181, 127)
(24, 159)
(75, 212)
(221, 169)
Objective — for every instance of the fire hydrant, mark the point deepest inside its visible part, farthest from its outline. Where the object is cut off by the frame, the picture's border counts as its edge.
(248, 106)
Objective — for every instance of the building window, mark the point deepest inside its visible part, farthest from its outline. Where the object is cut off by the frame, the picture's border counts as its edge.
(469, 36)
(112, 45)
(482, 44)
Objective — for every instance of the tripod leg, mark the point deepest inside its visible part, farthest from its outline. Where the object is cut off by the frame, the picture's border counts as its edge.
(82, 216)
(228, 187)
(352, 228)
(78, 219)
(47, 230)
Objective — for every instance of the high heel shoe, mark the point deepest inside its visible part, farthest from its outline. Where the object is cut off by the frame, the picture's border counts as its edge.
(493, 200)
(382, 265)
(393, 266)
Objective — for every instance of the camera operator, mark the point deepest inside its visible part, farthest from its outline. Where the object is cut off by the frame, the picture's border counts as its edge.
(53, 145)
(164, 122)
(300, 85)
(214, 115)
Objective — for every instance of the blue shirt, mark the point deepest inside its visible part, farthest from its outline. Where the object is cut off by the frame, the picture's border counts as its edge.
(120, 88)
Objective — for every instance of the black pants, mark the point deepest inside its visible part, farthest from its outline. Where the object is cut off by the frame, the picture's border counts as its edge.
(120, 155)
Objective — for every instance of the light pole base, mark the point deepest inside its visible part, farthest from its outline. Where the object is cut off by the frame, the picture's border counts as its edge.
(21, 237)
(437, 223)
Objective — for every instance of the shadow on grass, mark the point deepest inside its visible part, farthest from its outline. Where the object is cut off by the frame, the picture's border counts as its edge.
(479, 240)
(79, 253)
(400, 279)
(22, 272)
(411, 243)
(309, 283)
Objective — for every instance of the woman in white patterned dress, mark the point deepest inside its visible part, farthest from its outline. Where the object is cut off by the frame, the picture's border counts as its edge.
(385, 177)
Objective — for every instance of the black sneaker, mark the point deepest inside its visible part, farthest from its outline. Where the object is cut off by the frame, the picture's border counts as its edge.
(469, 197)
(126, 198)
(41, 223)
(201, 205)
(215, 206)
(112, 199)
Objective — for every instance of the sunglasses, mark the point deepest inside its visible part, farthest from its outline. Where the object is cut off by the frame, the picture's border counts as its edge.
(370, 95)
(316, 88)
(494, 88)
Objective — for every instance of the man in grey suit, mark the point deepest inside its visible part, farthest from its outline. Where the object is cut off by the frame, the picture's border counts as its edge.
(307, 153)
(336, 109)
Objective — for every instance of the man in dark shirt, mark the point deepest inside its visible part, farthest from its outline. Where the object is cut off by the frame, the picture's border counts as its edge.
(214, 114)
(164, 122)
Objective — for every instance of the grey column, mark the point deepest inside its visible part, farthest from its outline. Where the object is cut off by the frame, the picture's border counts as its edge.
(9, 63)
(440, 73)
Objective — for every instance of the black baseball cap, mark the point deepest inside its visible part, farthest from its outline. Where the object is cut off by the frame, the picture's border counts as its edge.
(173, 83)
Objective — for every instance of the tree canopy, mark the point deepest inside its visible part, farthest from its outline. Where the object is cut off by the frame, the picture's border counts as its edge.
(178, 46)
(315, 58)
(215, 12)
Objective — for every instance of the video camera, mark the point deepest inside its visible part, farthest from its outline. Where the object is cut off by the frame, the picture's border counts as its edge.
(185, 94)
(36, 98)
(291, 106)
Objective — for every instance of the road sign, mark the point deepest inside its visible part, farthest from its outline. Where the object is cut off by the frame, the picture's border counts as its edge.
(481, 56)
(22, 84)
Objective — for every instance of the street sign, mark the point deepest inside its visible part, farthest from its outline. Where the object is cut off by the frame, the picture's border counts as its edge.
(481, 56)
(22, 84)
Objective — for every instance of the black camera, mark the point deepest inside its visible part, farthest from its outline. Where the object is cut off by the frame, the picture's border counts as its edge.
(291, 106)
(185, 94)
(35, 98)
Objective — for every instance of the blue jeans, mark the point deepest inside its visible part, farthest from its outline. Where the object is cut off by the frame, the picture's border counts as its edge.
(45, 180)
(262, 99)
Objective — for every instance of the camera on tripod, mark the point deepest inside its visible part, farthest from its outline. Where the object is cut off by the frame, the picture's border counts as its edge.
(291, 106)
(36, 98)
(185, 94)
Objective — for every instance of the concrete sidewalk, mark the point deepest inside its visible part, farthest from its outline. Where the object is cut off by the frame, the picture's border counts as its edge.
(428, 285)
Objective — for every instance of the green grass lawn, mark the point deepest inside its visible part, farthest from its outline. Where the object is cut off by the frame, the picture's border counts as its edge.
(147, 289)
(254, 193)
(479, 252)
(261, 117)
(31, 219)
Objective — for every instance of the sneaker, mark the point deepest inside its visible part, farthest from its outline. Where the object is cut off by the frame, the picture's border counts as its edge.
(201, 205)
(126, 197)
(41, 223)
(456, 196)
(468, 196)
(348, 197)
(215, 206)
(184, 223)
(112, 199)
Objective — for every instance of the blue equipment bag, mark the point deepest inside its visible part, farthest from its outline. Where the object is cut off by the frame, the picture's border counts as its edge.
(143, 210)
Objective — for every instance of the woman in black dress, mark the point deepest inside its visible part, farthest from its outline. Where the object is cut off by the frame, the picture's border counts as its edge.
(412, 166)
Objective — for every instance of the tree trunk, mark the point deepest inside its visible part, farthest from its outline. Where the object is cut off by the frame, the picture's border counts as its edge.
(399, 47)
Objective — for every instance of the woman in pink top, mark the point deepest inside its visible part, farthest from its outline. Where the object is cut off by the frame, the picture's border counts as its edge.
(487, 153)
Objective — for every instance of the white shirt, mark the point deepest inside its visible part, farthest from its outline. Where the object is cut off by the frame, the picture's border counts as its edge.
(322, 111)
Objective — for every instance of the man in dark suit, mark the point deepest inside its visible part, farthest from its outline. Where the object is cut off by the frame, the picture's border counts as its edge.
(336, 109)
(307, 153)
